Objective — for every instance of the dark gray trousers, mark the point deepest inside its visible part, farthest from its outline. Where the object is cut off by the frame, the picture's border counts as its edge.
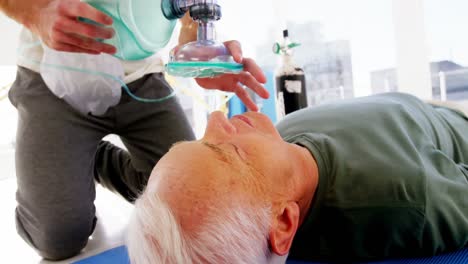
(60, 154)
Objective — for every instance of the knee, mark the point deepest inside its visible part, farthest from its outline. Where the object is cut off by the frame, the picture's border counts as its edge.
(62, 241)
(56, 238)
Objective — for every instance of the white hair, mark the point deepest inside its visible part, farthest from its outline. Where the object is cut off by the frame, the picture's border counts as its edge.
(237, 235)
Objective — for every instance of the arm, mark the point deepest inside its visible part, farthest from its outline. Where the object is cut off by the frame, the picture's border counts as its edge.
(56, 23)
(19, 10)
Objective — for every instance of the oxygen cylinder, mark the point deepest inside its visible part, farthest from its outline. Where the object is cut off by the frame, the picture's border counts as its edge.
(290, 79)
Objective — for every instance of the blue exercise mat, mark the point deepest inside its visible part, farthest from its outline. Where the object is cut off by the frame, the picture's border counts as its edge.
(115, 256)
(119, 256)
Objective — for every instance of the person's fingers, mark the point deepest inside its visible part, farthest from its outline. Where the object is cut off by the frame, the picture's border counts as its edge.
(70, 25)
(235, 48)
(208, 83)
(76, 9)
(229, 83)
(251, 66)
(245, 98)
(91, 44)
(248, 80)
(82, 42)
(226, 82)
(70, 48)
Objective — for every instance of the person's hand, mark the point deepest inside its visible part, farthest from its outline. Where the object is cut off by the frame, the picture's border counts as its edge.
(56, 24)
(252, 77)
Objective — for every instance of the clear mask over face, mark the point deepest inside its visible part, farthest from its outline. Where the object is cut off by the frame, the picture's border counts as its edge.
(201, 59)
(205, 57)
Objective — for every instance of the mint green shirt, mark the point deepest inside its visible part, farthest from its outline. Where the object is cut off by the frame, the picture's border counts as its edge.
(393, 178)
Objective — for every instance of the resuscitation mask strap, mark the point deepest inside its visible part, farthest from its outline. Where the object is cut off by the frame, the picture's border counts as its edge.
(123, 84)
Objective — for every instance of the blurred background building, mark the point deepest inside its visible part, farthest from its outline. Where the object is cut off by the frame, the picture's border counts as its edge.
(446, 76)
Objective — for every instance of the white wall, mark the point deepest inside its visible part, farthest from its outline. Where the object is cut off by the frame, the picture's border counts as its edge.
(9, 39)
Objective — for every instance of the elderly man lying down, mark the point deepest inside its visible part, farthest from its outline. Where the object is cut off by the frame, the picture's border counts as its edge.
(370, 178)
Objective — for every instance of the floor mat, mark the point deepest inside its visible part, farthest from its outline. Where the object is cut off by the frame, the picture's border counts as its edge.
(116, 255)
(119, 256)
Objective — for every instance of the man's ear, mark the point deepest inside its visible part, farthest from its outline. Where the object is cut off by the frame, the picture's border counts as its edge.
(284, 228)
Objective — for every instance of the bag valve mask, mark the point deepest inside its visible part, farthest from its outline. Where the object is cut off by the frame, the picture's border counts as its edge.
(93, 83)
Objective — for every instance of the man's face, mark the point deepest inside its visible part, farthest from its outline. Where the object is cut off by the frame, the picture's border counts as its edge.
(243, 156)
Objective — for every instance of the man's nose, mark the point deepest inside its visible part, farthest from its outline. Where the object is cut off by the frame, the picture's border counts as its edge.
(219, 127)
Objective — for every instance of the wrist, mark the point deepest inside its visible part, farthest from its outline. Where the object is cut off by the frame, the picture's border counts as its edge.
(187, 34)
(188, 29)
(23, 12)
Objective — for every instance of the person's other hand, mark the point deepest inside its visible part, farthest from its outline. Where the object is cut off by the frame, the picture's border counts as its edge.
(57, 24)
(252, 77)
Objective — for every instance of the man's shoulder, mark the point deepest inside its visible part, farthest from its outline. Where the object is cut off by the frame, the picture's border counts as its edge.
(345, 110)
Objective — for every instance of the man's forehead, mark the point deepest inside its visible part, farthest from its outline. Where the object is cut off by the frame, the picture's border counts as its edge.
(192, 172)
(196, 176)
(191, 159)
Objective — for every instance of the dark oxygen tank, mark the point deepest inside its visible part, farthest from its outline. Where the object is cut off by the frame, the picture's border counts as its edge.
(292, 90)
(290, 80)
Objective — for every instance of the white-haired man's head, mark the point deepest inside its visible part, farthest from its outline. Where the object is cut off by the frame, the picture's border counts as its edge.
(237, 236)
(237, 195)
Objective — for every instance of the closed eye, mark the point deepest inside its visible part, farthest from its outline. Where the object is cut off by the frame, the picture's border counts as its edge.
(223, 153)
(239, 152)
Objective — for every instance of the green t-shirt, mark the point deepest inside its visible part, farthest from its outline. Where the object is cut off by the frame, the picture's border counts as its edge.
(393, 178)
